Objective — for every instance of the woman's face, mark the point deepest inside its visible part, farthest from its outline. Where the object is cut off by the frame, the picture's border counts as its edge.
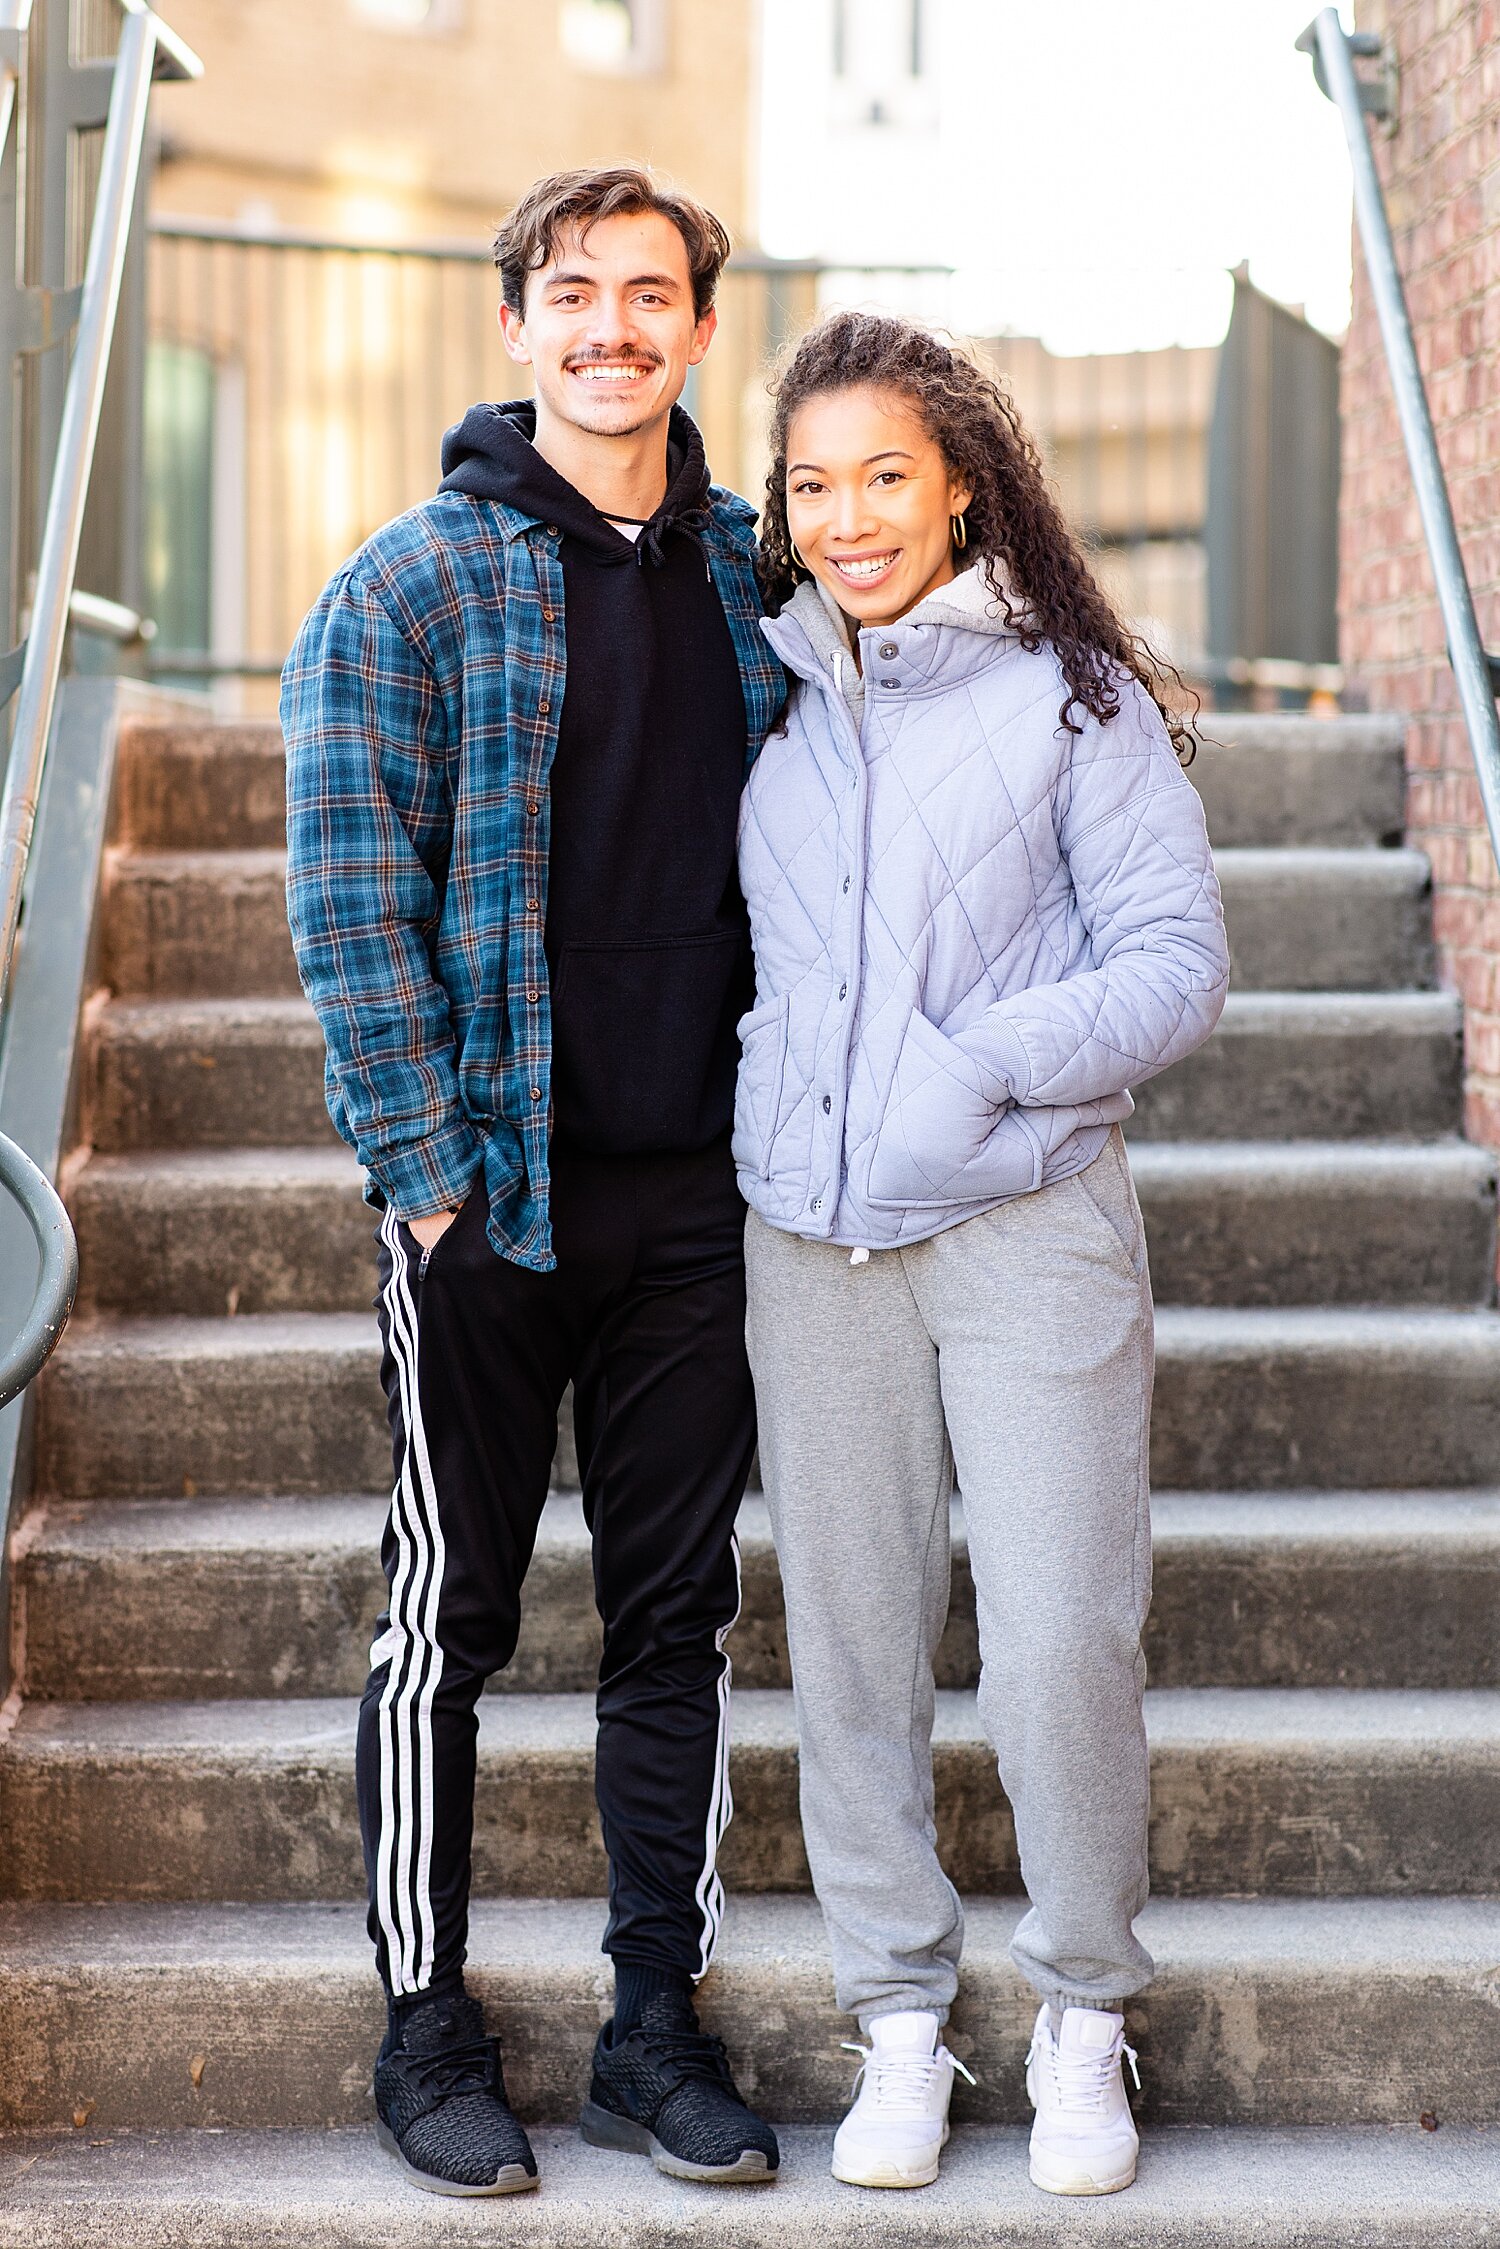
(869, 502)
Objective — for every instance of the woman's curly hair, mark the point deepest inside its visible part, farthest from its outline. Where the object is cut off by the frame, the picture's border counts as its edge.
(1016, 529)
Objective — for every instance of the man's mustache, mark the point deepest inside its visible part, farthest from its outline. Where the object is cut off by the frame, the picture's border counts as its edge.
(614, 359)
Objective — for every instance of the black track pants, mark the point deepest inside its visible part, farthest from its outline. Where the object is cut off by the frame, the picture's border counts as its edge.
(645, 1314)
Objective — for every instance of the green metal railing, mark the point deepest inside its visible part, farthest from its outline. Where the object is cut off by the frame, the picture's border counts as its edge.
(147, 50)
(57, 1283)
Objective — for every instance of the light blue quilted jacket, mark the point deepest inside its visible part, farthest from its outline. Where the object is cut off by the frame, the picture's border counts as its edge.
(974, 932)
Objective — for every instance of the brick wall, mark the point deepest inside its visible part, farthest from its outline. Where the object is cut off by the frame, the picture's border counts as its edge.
(1441, 169)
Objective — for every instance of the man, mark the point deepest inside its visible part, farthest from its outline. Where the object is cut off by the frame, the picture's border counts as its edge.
(517, 725)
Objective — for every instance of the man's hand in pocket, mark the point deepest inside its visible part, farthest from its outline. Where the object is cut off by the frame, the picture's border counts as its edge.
(429, 1231)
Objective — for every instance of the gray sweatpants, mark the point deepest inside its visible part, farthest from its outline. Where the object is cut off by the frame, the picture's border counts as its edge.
(1018, 1348)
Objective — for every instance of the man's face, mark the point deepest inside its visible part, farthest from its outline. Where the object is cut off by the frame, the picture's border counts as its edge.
(609, 330)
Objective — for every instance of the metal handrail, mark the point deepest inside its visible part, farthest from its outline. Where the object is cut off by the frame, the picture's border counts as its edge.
(178, 227)
(1333, 51)
(57, 1284)
(147, 50)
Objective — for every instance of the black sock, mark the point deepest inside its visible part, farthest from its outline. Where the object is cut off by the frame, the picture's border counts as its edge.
(637, 1983)
(398, 2009)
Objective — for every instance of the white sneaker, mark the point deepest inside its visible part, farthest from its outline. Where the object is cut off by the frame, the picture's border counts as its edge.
(894, 2134)
(1084, 2139)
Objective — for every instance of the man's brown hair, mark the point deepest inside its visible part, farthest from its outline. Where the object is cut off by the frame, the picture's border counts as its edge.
(567, 202)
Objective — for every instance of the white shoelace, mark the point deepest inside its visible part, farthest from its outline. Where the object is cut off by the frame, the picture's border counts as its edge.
(898, 2080)
(1082, 2083)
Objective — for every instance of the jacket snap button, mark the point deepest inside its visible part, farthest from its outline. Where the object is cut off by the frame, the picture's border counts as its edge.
(536, 1093)
(533, 905)
(843, 991)
(889, 650)
(544, 707)
(827, 1103)
(890, 683)
(553, 532)
(550, 615)
(846, 886)
(533, 807)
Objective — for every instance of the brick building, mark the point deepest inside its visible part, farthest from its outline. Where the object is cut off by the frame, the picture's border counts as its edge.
(1441, 170)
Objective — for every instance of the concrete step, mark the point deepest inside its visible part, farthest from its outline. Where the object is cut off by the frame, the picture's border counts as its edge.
(207, 1073)
(172, 1408)
(205, 1231)
(1273, 781)
(1265, 779)
(1311, 1792)
(226, 1230)
(1314, 1066)
(143, 1600)
(201, 786)
(1299, 1065)
(1252, 1400)
(1318, 1221)
(1224, 2187)
(1334, 1398)
(212, 924)
(1321, 920)
(1285, 2011)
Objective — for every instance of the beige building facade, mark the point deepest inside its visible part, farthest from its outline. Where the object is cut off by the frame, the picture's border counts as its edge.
(405, 120)
(322, 302)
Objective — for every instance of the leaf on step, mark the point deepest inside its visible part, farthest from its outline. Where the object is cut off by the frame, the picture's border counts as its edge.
(196, 2067)
(1428, 2120)
(82, 2113)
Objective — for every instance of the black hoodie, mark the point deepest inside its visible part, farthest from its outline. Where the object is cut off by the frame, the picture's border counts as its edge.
(647, 941)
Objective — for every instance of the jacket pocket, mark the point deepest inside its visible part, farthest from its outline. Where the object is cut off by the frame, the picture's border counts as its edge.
(757, 1100)
(942, 1137)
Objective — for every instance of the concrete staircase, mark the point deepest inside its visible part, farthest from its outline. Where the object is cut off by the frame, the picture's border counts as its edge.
(195, 1584)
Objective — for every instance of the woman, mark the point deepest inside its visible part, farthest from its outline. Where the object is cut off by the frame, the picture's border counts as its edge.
(983, 908)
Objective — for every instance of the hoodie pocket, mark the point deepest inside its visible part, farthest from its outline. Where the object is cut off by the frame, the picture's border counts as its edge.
(757, 1100)
(642, 1040)
(943, 1138)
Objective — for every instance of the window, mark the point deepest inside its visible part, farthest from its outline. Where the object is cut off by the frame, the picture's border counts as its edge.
(194, 473)
(616, 37)
(410, 15)
(179, 487)
(896, 41)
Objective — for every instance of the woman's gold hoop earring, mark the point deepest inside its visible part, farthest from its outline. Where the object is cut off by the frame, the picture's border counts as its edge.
(960, 530)
(796, 558)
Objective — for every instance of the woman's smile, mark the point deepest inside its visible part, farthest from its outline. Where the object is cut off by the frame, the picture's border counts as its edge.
(865, 569)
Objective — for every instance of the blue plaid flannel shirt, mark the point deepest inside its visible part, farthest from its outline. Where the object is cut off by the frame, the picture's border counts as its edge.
(420, 706)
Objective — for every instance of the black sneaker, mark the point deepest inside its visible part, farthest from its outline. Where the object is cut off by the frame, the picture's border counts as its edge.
(666, 2091)
(441, 2108)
